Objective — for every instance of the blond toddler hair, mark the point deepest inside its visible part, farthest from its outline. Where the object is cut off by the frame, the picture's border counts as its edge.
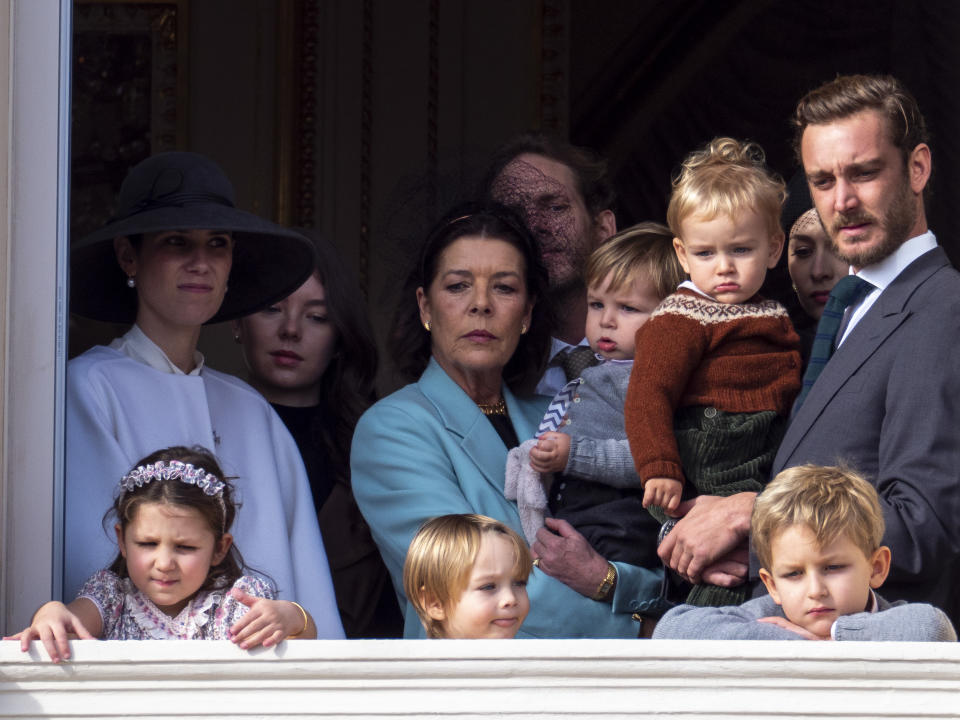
(441, 557)
(726, 177)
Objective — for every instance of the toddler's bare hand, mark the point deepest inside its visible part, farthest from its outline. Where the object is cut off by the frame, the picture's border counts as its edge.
(550, 453)
(664, 493)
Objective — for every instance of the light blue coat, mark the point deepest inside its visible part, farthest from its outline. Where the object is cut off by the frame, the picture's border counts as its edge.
(427, 450)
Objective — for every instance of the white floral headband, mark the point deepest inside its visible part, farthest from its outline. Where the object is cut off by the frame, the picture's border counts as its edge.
(173, 470)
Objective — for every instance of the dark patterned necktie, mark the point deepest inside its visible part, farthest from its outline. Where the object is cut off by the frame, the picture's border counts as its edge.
(575, 360)
(849, 291)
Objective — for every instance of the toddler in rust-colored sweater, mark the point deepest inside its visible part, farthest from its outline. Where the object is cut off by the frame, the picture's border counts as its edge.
(705, 410)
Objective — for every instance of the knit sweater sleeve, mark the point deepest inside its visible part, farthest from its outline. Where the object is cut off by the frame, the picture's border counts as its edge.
(733, 622)
(911, 622)
(669, 348)
(606, 461)
(599, 450)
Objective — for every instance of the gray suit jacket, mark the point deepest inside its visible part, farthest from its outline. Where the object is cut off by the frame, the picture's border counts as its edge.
(911, 622)
(888, 405)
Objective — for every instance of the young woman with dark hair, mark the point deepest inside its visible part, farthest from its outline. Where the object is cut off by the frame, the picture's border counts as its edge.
(313, 357)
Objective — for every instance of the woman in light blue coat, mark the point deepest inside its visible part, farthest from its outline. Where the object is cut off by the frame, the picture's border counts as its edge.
(439, 445)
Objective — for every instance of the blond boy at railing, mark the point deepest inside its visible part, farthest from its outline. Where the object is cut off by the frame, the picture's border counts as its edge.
(817, 533)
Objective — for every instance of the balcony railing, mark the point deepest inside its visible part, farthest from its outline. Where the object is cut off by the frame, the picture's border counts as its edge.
(605, 679)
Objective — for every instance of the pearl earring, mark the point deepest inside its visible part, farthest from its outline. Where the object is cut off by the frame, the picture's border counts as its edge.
(523, 329)
(131, 282)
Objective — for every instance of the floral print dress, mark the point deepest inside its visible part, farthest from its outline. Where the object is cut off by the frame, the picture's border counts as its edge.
(128, 614)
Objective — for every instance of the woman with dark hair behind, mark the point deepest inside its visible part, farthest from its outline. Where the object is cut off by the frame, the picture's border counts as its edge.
(811, 261)
(313, 357)
(476, 342)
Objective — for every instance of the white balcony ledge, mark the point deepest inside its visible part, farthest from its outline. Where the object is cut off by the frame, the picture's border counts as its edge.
(606, 679)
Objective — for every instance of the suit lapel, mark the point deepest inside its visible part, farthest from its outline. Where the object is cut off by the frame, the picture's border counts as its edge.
(855, 351)
(887, 314)
(462, 418)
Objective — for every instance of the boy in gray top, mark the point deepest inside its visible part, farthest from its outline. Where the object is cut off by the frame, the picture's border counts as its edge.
(817, 532)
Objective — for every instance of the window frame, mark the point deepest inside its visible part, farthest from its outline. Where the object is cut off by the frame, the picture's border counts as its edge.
(33, 366)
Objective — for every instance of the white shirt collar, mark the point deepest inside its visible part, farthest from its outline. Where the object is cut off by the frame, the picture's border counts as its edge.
(881, 274)
(557, 346)
(137, 346)
(688, 284)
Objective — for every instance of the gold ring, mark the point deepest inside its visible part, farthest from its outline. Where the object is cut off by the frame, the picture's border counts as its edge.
(536, 562)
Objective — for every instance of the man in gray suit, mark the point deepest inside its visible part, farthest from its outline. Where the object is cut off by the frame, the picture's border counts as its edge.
(888, 401)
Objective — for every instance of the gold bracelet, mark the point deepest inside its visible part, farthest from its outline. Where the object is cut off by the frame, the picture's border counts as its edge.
(305, 621)
(603, 592)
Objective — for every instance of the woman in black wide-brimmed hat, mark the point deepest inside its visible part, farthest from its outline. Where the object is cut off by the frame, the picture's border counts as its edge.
(176, 255)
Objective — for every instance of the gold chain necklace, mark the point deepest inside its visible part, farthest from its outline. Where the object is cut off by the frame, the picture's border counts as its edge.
(497, 408)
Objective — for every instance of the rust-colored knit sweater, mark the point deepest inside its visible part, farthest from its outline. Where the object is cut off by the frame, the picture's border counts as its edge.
(696, 351)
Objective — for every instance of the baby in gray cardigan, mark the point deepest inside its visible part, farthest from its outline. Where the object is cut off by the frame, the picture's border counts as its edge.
(817, 533)
(596, 487)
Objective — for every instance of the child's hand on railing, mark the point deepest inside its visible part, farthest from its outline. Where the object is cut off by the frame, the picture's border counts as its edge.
(52, 625)
(269, 622)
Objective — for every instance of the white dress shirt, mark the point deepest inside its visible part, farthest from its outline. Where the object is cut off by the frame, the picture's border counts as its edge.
(881, 274)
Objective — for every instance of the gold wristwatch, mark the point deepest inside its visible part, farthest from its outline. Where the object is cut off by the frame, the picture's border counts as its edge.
(609, 583)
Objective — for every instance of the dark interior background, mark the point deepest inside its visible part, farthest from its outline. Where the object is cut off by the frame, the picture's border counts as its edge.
(363, 118)
(678, 74)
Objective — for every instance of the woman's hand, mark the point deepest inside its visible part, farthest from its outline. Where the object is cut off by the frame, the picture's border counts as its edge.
(52, 624)
(566, 555)
(269, 622)
(551, 452)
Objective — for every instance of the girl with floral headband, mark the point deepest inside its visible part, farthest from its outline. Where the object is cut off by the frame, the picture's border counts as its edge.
(178, 575)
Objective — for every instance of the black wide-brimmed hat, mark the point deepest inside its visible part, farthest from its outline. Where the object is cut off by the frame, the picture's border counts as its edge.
(186, 191)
